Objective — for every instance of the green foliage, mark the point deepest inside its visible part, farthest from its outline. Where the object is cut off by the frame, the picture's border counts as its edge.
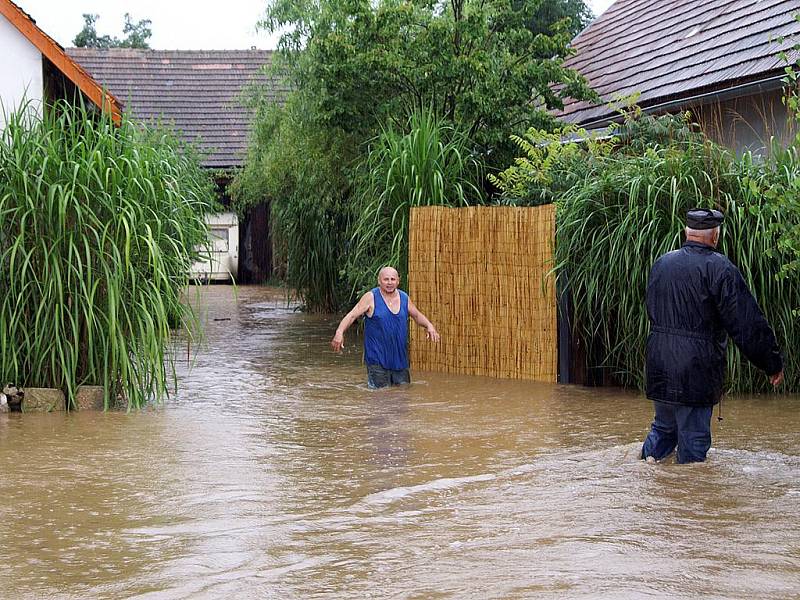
(551, 164)
(428, 164)
(99, 227)
(360, 64)
(136, 34)
(575, 12)
(755, 239)
(303, 172)
(627, 207)
(782, 192)
(779, 184)
(358, 70)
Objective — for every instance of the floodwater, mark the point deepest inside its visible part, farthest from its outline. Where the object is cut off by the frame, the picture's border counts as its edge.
(275, 473)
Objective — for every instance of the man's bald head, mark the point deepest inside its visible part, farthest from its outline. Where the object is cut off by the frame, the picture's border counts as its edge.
(388, 271)
(388, 280)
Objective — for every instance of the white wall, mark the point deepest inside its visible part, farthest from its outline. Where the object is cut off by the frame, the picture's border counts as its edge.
(20, 71)
(223, 264)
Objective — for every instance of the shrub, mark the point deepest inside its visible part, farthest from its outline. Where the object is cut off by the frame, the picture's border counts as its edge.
(303, 173)
(625, 205)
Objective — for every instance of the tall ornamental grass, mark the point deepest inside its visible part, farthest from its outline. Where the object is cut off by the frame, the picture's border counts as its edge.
(99, 226)
(627, 207)
(429, 164)
(761, 239)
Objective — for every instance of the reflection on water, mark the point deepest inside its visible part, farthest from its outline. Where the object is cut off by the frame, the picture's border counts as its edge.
(276, 473)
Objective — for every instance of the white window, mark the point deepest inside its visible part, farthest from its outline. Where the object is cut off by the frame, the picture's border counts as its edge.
(219, 239)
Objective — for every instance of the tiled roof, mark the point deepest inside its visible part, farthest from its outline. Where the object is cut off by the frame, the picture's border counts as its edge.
(197, 92)
(673, 49)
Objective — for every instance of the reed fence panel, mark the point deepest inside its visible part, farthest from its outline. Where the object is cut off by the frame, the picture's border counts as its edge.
(481, 275)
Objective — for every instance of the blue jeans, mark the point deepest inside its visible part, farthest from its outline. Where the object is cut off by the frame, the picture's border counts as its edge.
(687, 427)
(378, 377)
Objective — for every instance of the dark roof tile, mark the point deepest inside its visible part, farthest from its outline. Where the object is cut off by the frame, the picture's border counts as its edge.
(673, 48)
(196, 92)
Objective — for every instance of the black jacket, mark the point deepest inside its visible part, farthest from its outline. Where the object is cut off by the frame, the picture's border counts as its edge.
(695, 298)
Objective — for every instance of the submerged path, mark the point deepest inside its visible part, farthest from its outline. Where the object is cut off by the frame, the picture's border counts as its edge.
(275, 473)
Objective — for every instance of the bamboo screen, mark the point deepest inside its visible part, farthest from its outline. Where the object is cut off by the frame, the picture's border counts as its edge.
(480, 274)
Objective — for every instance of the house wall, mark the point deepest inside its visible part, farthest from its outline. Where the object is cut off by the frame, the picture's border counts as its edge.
(748, 122)
(20, 70)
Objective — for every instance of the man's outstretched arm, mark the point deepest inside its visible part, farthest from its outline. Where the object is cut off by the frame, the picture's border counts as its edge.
(423, 321)
(745, 323)
(362, 308)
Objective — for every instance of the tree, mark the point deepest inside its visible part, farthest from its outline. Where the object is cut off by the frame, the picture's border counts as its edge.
(360, 68)
(88, 38)
(137, 34)
(480, 64)
(576, 11)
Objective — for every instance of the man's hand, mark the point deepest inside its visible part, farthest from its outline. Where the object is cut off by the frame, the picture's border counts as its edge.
(337, 343)
(776, 379)
(432, 334)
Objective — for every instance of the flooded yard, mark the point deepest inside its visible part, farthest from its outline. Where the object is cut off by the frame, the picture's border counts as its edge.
(276, 473)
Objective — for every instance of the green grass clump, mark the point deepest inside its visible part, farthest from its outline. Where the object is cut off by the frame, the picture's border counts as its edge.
(99, 226)
(429, 164)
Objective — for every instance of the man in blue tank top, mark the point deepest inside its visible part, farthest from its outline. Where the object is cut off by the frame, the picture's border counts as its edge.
(387, 309)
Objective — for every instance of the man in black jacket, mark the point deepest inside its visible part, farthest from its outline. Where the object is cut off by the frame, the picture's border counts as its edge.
(695, 298)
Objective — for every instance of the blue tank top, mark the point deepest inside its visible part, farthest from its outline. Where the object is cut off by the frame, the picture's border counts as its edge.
(386, 334)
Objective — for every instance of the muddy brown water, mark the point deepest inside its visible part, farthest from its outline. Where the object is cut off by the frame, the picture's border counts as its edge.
(275, 473)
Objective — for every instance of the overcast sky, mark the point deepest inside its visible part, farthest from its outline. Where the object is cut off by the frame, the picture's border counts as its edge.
(177, 24)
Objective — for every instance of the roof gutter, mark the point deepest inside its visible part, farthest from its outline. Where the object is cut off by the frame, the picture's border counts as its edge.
(746, 89)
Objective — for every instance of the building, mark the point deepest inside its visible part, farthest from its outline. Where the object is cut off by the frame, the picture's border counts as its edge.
(35, 70)
(198, 94)
(723, 60)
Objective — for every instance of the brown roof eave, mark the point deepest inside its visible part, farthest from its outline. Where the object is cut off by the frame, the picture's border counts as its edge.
(700, 97)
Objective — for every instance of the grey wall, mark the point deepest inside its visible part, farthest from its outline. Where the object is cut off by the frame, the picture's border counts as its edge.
(748, 122)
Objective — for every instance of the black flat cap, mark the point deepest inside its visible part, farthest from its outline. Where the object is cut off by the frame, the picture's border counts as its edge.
(704, 218)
